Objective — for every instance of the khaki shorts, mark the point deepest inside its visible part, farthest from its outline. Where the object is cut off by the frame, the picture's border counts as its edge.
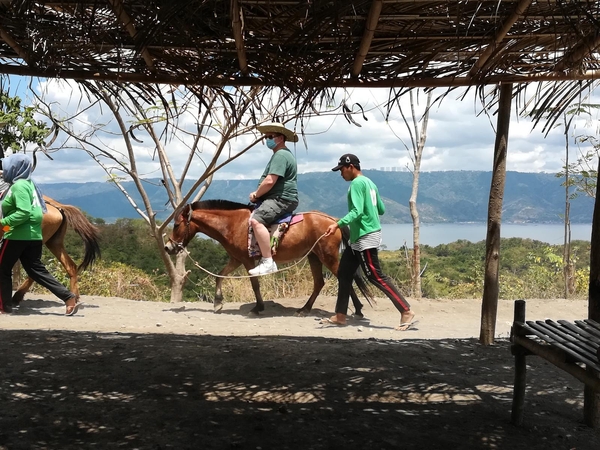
(272, 209)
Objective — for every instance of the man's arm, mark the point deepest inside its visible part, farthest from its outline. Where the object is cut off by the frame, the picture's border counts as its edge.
(266, 185)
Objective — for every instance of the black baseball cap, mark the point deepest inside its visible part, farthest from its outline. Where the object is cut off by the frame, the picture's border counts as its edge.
(346, 160)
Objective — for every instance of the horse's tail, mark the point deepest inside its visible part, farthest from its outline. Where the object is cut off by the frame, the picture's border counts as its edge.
(360, 280)
(86, 230)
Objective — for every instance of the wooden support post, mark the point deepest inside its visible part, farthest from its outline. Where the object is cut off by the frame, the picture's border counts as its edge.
(591, 399)
(491, 288)
(520, 368)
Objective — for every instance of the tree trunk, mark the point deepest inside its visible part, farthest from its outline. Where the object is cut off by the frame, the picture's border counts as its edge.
(489, 307)
(567, 265)
(418, 145)
(178, 278)
(416, 256)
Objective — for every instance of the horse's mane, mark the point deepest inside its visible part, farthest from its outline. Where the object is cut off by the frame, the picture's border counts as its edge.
(219, 204)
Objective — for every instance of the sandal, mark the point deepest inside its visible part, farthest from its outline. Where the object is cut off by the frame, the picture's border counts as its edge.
(329, 321)
(71, 310)
(406, 325)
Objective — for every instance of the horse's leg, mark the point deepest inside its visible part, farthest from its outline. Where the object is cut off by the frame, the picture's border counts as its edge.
(260, 306)
(19, 294)
(56, 246)
(357, 304)
(232, 264)
(316, 268)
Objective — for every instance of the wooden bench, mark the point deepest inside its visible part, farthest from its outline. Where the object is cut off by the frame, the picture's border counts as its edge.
(572, 346)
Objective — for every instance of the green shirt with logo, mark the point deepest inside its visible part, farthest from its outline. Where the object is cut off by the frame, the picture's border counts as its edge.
(364, 208)
(22, 212)
(282, 164)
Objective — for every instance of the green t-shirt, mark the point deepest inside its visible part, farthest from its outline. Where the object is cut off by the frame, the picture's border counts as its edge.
(22, 212)
(364, 208)
(282, 164)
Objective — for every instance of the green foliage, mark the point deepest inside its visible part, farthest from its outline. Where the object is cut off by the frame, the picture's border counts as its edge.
(111, 280)
(583, 174)
(528, 269)
(19, 125)
(128, 242)
(131, 268)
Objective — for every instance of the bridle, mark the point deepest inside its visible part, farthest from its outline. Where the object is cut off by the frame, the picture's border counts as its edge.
(179, 246)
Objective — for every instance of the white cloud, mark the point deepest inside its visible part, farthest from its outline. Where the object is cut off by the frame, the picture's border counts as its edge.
(459, 137)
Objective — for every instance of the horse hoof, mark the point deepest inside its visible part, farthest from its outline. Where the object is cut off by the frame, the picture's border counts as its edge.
(253, 313)
(218, 308)
(301, 313)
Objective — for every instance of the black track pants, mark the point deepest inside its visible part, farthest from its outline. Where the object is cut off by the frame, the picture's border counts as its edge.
(369, 261)
(30, 254)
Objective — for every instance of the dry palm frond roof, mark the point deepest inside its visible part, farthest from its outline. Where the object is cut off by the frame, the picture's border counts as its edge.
(302, 43)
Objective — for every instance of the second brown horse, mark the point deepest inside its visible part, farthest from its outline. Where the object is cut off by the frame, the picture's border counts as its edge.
(54, 227)
(227, 223)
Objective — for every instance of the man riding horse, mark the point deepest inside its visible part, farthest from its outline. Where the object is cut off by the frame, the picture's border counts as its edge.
(276, 194)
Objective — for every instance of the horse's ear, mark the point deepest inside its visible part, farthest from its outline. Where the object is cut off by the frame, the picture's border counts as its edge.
(183, 213)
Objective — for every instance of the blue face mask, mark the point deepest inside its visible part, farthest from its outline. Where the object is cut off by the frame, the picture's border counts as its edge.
(271, 143)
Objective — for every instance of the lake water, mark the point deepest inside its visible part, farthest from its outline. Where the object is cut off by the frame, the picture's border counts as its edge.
(396, 235)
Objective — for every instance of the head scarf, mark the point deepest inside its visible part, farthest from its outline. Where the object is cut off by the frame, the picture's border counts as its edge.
(19, 167)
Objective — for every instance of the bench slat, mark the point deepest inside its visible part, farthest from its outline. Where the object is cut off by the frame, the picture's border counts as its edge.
(548, 335)
(590, 325)
(575, 334)
(583, 329)
(583, 347)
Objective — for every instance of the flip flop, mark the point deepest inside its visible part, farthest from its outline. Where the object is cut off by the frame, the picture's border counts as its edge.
(74, 310)
(328, 321)
(406, 325)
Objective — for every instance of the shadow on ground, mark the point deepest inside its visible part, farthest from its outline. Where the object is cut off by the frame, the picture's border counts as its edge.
(66, 390)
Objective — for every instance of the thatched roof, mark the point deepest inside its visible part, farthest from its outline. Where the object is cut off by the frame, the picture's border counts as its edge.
(302, 42)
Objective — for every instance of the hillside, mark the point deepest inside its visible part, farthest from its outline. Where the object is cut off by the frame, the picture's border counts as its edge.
(455, 196)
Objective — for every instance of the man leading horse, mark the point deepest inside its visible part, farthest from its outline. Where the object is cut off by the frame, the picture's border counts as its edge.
(276, 194)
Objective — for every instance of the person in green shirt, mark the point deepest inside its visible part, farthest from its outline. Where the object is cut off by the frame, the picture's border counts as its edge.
(364, 208)
(276, 194)
(21, 226)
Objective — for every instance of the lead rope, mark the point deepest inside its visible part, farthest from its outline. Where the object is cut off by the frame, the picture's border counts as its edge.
(251, 276)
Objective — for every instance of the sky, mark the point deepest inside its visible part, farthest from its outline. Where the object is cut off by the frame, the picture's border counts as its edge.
(459, 137)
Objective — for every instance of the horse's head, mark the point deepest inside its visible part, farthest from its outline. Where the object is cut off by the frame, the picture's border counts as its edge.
(182, 232)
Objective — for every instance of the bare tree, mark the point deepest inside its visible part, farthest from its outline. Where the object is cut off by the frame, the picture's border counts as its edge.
(568, 266)
(204, 121)
(418, 137)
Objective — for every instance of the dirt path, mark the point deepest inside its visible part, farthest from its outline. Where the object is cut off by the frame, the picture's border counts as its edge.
(126, 374)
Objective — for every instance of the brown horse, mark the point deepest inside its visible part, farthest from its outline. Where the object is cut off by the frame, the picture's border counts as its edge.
(54, 227)
(227, 223)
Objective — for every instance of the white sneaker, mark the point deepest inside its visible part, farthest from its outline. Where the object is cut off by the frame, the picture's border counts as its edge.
(266, 266)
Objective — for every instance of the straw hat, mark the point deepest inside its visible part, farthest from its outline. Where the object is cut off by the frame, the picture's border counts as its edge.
(278, 128)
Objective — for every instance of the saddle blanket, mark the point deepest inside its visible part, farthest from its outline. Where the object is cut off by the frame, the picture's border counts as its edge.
(276, 230)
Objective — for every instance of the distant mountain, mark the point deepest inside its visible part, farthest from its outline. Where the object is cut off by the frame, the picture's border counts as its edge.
(457, 196)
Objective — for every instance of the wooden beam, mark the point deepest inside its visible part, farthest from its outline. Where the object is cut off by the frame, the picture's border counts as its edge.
(580, 51)
(546, 352)
(194, 79)
(8, 38)
(237, 25)
(119, 10)
(368, 33)
(499, 36)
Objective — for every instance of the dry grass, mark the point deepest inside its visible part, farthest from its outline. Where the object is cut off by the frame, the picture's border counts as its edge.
(295, 282)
